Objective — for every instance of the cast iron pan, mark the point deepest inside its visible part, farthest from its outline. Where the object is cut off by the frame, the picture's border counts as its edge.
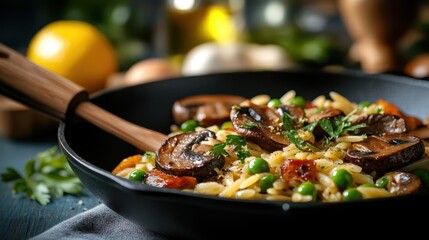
(93, 154)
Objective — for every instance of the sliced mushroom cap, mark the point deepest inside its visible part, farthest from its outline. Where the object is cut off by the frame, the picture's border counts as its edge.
(207, 110)
(386, 153)
(186, 155)
(327, 113)
(380, 124)
(422, 132)
(260, 124)
(297, 113)
(402, 183)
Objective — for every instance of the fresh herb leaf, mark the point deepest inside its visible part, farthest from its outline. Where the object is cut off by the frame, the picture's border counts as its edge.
(300, 143)
(41, 194)
(287, 122)
(242, 154)
(326, 125)
(237, 142)
(30, 167)
(310, 127)
(10, 175)
(47, 176)
(219, 149)
(293, 137)
(292, 134)
(339, 126)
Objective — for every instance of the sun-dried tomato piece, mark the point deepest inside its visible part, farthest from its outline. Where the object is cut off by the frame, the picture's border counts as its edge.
(158, 178)
(298, 170)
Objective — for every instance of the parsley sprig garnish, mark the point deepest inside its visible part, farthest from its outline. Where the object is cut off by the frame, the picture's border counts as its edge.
(238, 144)
(339, 126)
(293, 136)
(334, 128)
(49, 175)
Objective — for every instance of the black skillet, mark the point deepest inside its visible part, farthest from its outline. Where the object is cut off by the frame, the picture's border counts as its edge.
(93, 153)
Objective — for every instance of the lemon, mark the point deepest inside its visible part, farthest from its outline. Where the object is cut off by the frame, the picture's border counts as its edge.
(75, 50)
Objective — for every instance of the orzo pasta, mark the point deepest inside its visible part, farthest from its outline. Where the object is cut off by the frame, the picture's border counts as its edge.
(329, 149)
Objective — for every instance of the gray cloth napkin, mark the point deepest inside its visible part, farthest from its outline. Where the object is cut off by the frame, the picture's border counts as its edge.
(99, 222)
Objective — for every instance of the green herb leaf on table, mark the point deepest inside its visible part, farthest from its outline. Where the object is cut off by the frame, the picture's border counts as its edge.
(47, 176)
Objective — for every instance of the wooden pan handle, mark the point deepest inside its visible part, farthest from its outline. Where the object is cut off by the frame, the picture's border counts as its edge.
(37, 87)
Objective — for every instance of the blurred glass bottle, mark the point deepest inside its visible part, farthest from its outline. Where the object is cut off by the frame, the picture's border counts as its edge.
(188, 23)
(307, 30)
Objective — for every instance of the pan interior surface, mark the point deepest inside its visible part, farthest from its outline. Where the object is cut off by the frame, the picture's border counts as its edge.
(93, 153)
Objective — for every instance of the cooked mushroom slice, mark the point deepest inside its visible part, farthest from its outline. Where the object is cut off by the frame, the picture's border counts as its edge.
(207, 110)
(259, 124)
(386, 153)
(327, 113)
(422, 132)
(297, 113)
(380, 124)
(186, 155)
(402, 183)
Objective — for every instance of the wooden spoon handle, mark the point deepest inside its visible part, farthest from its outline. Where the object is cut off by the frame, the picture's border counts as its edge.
(37, 87)
(140, 137)
(48, 92)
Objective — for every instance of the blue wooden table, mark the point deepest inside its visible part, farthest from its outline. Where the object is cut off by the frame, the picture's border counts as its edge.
(21, 218)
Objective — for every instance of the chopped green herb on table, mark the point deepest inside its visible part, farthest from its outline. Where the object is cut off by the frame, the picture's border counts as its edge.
(46, 176)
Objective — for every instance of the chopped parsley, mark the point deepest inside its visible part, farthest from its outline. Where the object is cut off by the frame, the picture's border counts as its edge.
(238, 143)
(300, 143)
(334, 128)
(338, 126)
(293, 136)
(49, 175)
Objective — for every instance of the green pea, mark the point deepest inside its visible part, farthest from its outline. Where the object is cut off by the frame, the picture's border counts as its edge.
(352, 194)
(226, 125)
(298, 101)
(342, 178)
(275, 102)
(137, 175)
(378, 110)
(267, 182)
(258, 165)
(189, 125)
(423, 175)
(382, 182)
(307, 188)
(364, 104)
